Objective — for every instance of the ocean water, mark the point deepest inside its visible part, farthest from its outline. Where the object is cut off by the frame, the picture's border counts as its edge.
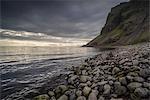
(23, 67)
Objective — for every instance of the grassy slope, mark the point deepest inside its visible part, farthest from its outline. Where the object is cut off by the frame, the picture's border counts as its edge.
(133, 29)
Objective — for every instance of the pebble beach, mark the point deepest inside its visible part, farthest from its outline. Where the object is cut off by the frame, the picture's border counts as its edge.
(120, 74)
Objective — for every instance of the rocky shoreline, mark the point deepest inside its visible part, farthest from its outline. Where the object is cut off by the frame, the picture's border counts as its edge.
(121, 74)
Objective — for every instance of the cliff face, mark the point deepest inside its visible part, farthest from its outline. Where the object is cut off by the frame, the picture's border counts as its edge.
(127, 23)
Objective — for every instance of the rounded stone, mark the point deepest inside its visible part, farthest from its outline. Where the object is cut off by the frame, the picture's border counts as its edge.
(134, 85)
(86, 91)
(144, 73)
(120, 90)
(79, 93)
(81, 98)
(51, 93)
(138, 79)
(107, 89)
(123, 81)
(92, 96)
(110, 82)
(83, 79)
(115, 70)
(63, 97)
(146, 84)
(101, 98)
(62, 88)
(141, 92)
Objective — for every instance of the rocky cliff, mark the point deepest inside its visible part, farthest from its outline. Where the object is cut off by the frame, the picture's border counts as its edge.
(127, 23)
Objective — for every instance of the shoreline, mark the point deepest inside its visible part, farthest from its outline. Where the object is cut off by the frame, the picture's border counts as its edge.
(118, 74)
(122, 74)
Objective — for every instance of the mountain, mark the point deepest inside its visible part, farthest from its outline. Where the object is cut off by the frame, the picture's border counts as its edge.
(127, 23)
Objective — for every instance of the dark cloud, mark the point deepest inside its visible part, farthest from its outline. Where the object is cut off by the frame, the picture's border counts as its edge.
(68, 18)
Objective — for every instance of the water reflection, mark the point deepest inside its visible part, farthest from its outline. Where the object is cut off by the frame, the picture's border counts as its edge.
(30, 66)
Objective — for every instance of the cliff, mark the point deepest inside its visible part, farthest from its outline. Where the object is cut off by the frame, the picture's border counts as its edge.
(127, 23)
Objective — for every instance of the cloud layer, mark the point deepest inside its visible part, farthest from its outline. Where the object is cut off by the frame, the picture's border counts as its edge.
(23, 38)
(62, 18)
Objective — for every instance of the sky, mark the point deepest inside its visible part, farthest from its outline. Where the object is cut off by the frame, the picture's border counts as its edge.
(68, 19)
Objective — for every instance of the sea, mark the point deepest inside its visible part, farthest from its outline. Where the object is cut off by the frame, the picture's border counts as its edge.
(30, 66)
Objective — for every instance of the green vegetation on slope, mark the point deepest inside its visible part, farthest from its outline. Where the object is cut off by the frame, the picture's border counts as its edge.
(127, 23)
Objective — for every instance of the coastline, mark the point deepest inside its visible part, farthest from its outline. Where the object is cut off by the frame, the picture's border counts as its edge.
(119, 74)
(123, 73)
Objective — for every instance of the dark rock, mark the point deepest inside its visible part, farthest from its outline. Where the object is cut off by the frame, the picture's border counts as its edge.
(141, 92)
(144, 73)
(120, 90)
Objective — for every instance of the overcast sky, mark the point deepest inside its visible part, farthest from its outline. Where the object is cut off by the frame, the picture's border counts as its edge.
(65, 18)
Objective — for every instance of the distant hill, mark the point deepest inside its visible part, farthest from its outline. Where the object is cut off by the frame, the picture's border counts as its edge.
(127, 23)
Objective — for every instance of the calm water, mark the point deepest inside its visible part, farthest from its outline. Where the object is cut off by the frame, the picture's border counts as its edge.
(23, 67)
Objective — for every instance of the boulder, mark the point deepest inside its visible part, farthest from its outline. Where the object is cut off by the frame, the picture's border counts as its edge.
(92, 96)
(141, 92)
(144, 73)
(83, 79)
(107, 89)
(86, 91)
(81, 98)
(132, 86)
(146, 85)
(51, 93)
(120, 90)
(61, 89)
(138, 79)
(79, 93)
(123, 80)
(115, 70)
(63, 97)
(101, 98)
